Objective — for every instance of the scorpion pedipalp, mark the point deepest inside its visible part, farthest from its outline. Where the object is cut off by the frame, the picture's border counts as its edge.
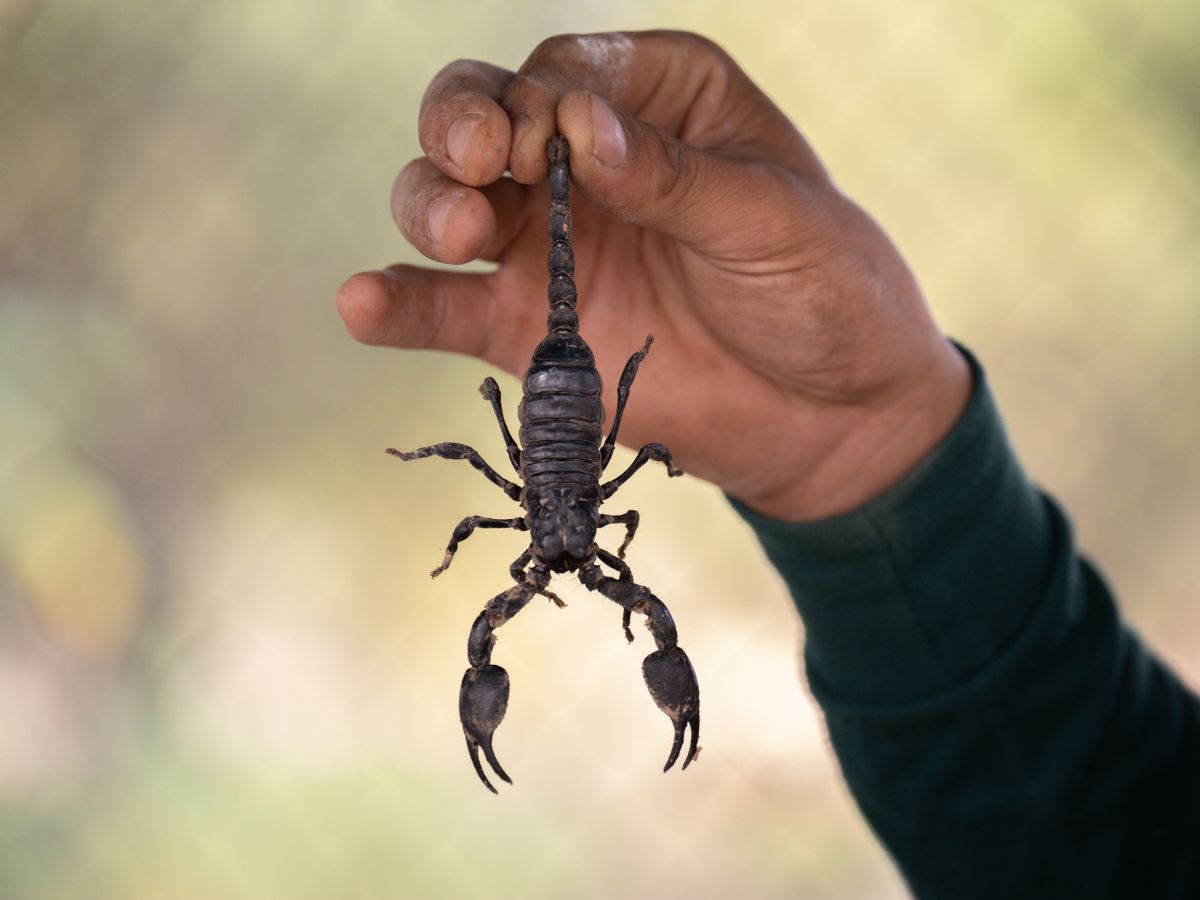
(482, 702)
(672, 683)
(483, 695)
(667, 671)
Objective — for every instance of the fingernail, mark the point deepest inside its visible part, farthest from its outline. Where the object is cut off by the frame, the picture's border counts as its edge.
(435, 219)
(608, 137)
(458, 134)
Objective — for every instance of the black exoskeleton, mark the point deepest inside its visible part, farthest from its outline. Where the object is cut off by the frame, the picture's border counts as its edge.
(561, 460)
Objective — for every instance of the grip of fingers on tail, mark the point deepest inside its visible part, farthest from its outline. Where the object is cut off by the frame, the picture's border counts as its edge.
(556, 149)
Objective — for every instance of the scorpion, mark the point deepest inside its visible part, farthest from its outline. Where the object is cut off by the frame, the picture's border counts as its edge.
(561, 460)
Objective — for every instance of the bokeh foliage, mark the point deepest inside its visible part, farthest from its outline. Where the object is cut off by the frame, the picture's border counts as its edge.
(223, 672)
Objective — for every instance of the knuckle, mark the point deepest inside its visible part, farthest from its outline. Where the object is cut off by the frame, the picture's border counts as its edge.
(695, 45)
(555, 47)
(677, 172)
(583, 60)
(464, 85)
(527, 91)
(410, 177)
(472, 75)
(546, 71)
(453, 71)
(443, 85)
(710, 48)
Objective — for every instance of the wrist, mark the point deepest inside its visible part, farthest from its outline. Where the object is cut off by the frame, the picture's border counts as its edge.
(870, 446)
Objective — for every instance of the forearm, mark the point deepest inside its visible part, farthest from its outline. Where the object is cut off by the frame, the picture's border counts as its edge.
(999, 728)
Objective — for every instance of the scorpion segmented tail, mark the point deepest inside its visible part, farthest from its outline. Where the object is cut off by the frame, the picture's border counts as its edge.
(560, 412)
(561, 259)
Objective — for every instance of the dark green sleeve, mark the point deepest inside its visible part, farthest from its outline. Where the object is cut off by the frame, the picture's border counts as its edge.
(1002, 731)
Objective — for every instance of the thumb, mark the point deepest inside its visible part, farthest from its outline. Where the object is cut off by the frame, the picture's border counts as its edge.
(640, 174)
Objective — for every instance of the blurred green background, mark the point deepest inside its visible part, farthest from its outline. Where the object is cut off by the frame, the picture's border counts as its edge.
(224, 671)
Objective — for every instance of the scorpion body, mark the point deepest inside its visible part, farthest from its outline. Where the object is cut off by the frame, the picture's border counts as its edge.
(561, 461)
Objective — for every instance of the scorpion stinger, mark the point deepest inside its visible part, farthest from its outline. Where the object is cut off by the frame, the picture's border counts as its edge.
(560, 460)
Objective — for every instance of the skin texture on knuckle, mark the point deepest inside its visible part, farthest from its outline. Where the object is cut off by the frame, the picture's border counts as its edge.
(588, 60)
(448, 95)
(728, 109)
(464, 77)
(714, 117)
(693, 67)
(677, 170)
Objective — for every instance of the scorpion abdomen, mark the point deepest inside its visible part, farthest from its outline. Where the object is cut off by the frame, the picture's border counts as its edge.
(561, 416)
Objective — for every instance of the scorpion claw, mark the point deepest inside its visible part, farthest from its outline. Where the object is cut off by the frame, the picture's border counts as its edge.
(676, 745)
(482, 702)
(473, 750)
(695, 748)
(672, 683)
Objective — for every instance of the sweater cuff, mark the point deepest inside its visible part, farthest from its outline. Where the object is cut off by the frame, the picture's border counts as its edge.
(919, 589)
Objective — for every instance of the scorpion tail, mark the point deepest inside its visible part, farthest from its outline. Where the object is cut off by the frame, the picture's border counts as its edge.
(561, 259)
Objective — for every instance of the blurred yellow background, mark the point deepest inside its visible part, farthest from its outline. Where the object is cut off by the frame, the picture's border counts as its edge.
(224, 671)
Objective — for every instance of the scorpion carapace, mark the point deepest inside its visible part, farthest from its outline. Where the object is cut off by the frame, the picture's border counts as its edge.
(560, 461)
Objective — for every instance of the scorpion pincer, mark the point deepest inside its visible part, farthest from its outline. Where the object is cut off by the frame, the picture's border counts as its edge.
(560, 462)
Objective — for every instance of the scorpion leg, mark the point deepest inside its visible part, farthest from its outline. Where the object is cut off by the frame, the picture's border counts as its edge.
(647, 453)
(627, 376)
(668, 671)
(630, 520)
(466, 528)
(517, 571)
(491, 393)
(483, 695)
(626, 575)
(471, 455)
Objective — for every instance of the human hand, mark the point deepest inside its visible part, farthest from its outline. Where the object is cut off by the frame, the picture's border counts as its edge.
(795, 363)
